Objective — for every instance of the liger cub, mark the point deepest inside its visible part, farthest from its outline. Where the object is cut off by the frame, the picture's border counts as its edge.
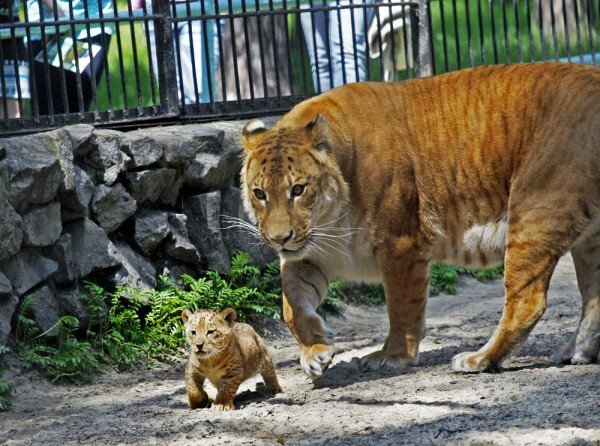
(374, 182)
(226, 353)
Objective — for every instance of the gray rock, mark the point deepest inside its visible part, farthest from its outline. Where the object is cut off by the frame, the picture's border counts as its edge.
(75, 203)
(45, 310)
(8, 305)
(213, 171)
(34, 174)
(11, 227)
(42, 225)
(181, 143)
(235, 235)
(70, 303)
(106, 161)
(112, 206)
(179, 246)
(151, 228)
(2, 152)
(136, 270)
(62, 253)
(92, 249)
(174, 269)
(59, 143)
(154, 186)
(141, 149)
(5, 285)
(80, 138)
(27, 269)
(203, 224)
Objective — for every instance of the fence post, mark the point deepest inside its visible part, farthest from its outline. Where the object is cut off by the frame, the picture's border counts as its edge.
(165, 57)
(424, 39)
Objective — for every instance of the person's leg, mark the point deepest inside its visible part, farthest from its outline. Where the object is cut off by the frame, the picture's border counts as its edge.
(347, 37)
(316, 36)
(98, 67)
(192, 66)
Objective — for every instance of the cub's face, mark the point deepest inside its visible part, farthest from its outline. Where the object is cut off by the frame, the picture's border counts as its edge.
(208, 332)
(289, 183)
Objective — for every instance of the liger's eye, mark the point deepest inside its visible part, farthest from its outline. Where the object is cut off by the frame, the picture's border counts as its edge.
(259, 194)
(298, 190)
(209, 332)
(193, 332)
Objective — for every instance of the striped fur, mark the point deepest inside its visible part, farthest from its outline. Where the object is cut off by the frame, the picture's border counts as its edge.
(474, 167)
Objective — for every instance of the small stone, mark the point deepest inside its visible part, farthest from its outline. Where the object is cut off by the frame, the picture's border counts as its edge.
(106, 161)
(203, 224)
(42, 225)
(27, 269)
(151, 228)
(213, 171)
(112, 206)
(5, 285)
(62, 253)
(75, 203)
(59, 143)
(70, 303)
(80, 135)
(45, 310)
(179, 246)
(92, 249)
(135, 269)
(11, 227)
(142, 150)
(8, 305)
(154, 186)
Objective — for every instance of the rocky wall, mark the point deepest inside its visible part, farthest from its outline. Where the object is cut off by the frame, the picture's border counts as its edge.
(83, 204)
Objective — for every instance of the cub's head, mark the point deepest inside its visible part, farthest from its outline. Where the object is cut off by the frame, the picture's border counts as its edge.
(208, 332)
(291, 182)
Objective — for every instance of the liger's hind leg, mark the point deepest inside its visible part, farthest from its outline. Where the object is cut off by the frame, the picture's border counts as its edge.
(585, 345)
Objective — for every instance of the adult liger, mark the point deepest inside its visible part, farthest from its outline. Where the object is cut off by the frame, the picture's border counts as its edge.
(377, 181)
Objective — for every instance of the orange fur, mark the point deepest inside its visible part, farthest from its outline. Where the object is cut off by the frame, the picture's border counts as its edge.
(479, 166)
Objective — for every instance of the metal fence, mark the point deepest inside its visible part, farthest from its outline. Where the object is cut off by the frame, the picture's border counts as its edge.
(119, 62)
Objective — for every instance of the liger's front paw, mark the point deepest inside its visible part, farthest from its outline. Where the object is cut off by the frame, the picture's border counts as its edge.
(316, 359)
(380, 359)
(222, 406)
(472, 362)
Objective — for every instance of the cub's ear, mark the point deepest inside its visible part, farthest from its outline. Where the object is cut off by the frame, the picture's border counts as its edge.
(319, 131)
(229, 315)
(186, 315)
(250, 131)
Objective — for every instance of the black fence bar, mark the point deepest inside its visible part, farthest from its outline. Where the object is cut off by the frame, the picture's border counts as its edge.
(116, 62)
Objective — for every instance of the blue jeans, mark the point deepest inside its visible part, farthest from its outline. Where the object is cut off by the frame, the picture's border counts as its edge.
(336, 44)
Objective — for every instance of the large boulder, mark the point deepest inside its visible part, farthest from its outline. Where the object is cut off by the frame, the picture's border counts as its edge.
(34, 173)
(70, 303)
(8, 305)
(141, 149)
(155, 186)
(62, 253)
(27, 269)
(213, 171)
(135, 269)
(237, 231)
(11, 227)
(45, 310)
(204, 228)
(59, 143)
(106, 161)
(181, 143)
(92, 249)
(151, 227)
(112, 206)
(42, 224)
(75, 203)
(80, 135)
(179, 246)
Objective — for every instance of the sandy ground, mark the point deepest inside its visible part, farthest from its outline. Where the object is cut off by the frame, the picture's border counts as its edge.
(531, 402)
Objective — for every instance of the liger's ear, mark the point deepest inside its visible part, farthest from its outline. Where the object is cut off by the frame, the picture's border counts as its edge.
(319, 131)
(229, 315)
(250, 132)
(186, 315)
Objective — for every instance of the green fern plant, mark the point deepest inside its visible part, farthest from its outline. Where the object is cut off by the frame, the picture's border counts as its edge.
(6, 387)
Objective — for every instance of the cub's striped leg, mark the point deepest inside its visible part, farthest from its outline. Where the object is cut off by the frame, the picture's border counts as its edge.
(405, 273)
(585, 346)
(304, 288)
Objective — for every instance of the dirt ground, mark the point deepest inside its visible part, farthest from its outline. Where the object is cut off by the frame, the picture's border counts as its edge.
(533, 401)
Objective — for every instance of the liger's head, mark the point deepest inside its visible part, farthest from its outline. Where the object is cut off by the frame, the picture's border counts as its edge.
(208, 332)
(290, 182)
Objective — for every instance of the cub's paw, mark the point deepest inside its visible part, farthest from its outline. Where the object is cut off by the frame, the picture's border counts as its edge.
(380, 359)
(222, 406)
(316, 359)
(472, 362)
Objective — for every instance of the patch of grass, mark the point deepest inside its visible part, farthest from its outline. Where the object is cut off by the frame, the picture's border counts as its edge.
(6, 387)
(141, 325)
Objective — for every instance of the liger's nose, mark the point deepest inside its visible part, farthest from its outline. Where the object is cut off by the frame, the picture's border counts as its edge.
(200, 346)
(282, 239)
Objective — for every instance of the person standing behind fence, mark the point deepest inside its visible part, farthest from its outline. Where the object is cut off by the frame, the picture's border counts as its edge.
(195, 57)
(90, 44)
(14, 83)
(335, 39)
